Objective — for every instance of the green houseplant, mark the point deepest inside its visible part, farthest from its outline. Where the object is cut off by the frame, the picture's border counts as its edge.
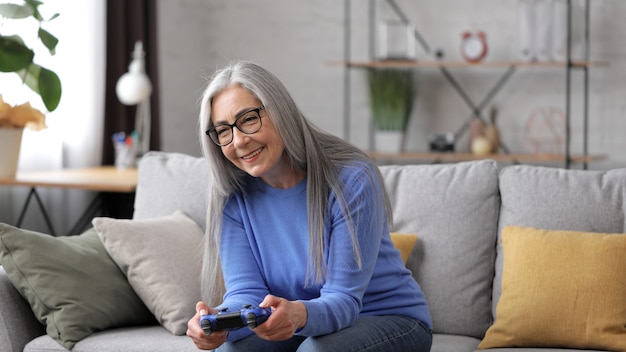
(391, 93)
(16, 57)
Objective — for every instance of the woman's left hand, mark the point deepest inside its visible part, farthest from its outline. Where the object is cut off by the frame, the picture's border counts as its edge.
(287, 317)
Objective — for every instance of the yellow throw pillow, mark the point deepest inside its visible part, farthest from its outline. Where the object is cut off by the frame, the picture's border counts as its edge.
(404, 243)
(561, 289)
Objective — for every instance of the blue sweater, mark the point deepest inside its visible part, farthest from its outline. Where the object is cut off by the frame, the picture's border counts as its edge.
(265, 245)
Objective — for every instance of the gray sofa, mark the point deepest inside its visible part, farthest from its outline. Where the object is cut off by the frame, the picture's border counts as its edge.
(457, 210)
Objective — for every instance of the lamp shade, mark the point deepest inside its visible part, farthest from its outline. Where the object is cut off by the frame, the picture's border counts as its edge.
(134, 86)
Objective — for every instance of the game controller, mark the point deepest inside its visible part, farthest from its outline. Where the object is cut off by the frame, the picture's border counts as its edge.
(225, 320)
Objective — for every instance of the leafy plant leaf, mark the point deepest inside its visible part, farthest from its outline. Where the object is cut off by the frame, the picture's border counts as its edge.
(14, 55)
(15, 11)
(34, 4)
(45, 83)
(391, 93)
(48, 40)
(30, 77)
(49, 88)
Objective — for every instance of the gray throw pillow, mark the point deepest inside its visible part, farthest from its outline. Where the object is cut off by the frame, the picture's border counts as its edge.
(71, 283)
(161, 258)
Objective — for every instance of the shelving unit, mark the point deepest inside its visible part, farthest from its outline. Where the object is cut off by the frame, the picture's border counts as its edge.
(476, 109)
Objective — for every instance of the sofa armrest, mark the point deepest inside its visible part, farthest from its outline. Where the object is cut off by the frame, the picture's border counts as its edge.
(18, 324)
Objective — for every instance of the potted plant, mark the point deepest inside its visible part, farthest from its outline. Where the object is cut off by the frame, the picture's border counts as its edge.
(17, 58)
(391, 93)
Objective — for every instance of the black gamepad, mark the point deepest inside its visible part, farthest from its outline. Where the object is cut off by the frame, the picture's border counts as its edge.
(225, 320)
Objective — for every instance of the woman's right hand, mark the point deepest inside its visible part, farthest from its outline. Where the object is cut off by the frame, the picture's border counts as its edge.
(202, 341)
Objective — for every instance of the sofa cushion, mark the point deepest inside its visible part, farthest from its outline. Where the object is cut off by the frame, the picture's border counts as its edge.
(533, 349)
(561, 289)
(559, 199)
(161, 258)
(170, 181)
(71, 283)
(456, 343)
(404, 242)
(454, 209)
(133, 339)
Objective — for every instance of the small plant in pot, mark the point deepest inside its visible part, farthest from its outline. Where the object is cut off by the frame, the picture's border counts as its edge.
(17, 58)
(391, 93)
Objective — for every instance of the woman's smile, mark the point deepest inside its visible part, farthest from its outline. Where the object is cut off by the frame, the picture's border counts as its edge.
(252, 156)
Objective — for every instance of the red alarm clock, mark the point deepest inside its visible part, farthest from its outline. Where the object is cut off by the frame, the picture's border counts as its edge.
(473, 46)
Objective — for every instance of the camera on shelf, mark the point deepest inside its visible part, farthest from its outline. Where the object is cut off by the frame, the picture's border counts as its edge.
(442, 142)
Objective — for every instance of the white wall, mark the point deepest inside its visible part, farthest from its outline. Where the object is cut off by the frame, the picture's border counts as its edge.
(292, 39)
(297, 40)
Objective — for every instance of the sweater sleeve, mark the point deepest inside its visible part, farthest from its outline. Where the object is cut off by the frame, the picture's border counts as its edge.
(340, 300)
(243, 280)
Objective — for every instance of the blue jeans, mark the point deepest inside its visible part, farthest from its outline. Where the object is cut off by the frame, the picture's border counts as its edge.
(369, 333)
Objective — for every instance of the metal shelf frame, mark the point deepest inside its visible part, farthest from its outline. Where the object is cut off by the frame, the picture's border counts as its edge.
(475, 108)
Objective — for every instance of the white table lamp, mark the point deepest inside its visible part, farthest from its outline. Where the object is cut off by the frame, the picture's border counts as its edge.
(134, 88)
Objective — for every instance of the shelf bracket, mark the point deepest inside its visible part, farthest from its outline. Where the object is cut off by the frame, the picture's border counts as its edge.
(477, 109)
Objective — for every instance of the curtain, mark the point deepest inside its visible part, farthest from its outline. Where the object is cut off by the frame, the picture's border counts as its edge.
(127, 22)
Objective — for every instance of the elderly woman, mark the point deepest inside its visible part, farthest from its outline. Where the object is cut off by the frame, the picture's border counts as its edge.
(297, 223)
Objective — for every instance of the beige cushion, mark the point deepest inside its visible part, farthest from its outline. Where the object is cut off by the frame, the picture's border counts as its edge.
(161, 258)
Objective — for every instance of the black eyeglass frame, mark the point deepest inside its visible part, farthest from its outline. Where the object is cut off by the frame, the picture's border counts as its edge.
(236, 124)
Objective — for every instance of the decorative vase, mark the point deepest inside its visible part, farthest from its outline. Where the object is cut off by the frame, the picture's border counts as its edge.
(481, 146)
(476, 130)
(10, 143)
(492, 133)
(389, 141)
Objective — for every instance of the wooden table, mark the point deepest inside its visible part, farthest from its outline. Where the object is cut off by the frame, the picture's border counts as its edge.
(103, 179)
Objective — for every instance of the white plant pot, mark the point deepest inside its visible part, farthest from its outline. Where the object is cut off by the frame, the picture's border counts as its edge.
(10, 143)
(389, 141)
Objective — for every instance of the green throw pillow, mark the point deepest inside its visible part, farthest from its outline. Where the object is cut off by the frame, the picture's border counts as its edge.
(72, 285)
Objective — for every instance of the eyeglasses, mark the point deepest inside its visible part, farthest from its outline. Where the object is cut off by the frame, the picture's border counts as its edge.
(248, 122)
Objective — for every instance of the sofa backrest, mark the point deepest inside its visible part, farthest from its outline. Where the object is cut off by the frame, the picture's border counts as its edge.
(171, 181)
(453, 209)
(559, 199)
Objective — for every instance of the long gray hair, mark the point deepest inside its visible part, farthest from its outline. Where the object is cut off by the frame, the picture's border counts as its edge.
(320, 155)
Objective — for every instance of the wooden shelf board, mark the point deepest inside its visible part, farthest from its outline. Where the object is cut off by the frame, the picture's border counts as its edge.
(486, 64)
(455, 157)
